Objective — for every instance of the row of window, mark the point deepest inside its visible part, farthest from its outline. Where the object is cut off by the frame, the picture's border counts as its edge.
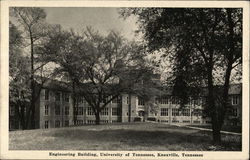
(115, 100)
(57, 124)
(117, 111)
(141, 101)
(80, 111)
(78, 122)
(233, 112)
(57, 110)
(235, 100)
(175, 100)
(179, 112)
(65, 96)
(105, 111)
(185, 121)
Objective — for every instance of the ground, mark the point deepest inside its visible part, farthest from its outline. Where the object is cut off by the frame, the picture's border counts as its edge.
(134, 136)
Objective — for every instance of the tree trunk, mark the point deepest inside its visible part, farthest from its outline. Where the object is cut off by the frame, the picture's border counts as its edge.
(22, 117)
(230, 59)
(216, 126)
(214, 113)
(32, 86)
(97, 117)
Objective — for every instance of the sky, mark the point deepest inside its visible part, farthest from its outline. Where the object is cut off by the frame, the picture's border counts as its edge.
(103, 19)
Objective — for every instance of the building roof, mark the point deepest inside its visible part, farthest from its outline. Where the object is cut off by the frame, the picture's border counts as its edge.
(165, 90)
(57, 85)
(233, 89)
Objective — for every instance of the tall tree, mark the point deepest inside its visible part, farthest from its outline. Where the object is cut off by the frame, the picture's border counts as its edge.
(31, 20)
(64, 48)
(19, 76)
(207, 41)
(95, 63)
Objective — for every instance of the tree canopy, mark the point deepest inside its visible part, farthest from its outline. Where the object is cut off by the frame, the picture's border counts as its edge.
(101, 65)
(204, 46)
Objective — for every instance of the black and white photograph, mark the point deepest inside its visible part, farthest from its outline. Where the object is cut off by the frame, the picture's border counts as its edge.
(126, 82)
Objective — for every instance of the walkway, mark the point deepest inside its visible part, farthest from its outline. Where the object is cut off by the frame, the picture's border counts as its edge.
(206, 129)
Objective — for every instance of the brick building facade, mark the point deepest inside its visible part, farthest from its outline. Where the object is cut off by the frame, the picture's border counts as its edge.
(54, 108)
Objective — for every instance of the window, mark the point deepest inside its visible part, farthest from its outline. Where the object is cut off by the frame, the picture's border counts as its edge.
(234, 100)
(57, 110)
(117, 100)
(185, 112)
(234, 112)
(175, 112)
(114, 111)
(66, 97)
(162, 100)
(46, 94)
(79, 122)
(90, 111)
(141, 101)
(90, 121)
(185, 121)
(57, 123)
(66, 123)
(66, 112)
(105, 112)
(106, 99)
(46, 124)
(164, 111)
(104, 121)
(115, 121)
(196, 121)
(165, 121)
(46, 110)
(80, 111)
(57, 96)
(175, 121)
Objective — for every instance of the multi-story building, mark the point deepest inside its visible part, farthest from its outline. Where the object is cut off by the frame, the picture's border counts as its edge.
(54, 108)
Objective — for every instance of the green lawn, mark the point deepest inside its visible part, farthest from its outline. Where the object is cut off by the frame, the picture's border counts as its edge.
(134, 136)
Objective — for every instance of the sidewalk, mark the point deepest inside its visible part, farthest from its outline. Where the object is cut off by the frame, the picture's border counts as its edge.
(205, 129)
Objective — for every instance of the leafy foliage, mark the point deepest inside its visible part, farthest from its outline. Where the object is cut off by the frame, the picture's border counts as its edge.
(204, 46)
(19, 92)
(31, 21)
(99, 67)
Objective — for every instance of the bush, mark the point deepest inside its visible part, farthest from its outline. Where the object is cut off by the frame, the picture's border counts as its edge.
(137, 119)
(151, 119)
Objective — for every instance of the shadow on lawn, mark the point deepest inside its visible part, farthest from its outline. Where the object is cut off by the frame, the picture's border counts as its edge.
(200, 139)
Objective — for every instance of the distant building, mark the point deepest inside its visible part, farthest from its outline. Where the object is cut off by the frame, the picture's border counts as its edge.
(54, 108)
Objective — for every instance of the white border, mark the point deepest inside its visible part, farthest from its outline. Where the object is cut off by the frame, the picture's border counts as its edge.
(6, 154)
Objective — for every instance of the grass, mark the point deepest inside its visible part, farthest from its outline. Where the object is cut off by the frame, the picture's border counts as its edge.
(236, 129)
(134, 136)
